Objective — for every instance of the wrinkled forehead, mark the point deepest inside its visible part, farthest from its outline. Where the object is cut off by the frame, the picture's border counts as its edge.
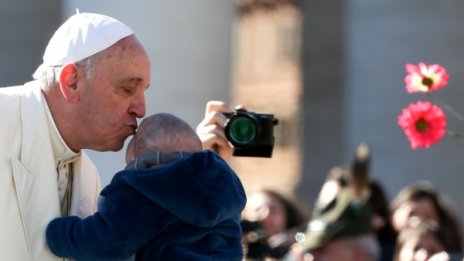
(126, 63)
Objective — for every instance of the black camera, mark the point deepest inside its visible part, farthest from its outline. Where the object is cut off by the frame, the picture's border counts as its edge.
(251, 133)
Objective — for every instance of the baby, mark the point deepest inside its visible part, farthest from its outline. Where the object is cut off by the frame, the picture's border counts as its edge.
(172, 202)
(162, 133)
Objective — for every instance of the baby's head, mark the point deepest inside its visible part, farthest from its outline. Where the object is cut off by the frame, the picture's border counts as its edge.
(162, 132)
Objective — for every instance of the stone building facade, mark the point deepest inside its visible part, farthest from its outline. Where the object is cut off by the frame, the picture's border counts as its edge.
(267, 78)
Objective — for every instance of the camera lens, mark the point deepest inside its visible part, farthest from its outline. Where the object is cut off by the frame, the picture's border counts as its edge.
(241, 130)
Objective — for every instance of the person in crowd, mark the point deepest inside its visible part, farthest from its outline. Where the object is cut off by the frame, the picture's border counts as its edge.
(148, 206)
(377, 200)
(381, 220)
(421, 201)
(341, 177)
(424, 242)
(358, 176)
(87, 94)
(340, 229)
(275, 219)
(348, 215)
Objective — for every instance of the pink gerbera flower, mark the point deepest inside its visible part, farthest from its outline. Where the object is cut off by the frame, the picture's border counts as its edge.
(423, 123)
(425, 78)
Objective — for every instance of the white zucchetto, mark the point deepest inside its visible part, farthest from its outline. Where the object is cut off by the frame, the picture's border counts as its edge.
(82, 36)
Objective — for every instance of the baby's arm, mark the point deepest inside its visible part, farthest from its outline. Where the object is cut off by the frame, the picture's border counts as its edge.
(123, 225)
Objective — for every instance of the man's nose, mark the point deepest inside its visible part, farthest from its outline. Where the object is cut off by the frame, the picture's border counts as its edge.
(137, 106)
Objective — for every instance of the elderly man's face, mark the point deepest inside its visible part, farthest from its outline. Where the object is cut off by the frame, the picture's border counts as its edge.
(114, 95)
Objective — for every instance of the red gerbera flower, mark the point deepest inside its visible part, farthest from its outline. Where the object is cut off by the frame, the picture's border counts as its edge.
(425, 78)
(423, 123)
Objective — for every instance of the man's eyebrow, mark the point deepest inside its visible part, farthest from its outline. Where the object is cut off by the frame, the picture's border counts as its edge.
(133, 80)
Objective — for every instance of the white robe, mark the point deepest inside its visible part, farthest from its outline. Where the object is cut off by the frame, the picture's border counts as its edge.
(30, 146)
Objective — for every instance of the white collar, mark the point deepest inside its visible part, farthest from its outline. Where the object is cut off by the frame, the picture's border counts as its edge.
(61, 151)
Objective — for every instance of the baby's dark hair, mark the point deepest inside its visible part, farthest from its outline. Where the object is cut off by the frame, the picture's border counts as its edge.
(165, 132)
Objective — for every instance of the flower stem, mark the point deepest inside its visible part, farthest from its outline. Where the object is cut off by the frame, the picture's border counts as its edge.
(448, 108)
(458, 136)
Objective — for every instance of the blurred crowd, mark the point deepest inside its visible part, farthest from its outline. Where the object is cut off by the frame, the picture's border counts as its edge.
(353, 219)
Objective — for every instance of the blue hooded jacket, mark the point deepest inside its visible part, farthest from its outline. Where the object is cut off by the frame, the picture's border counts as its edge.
(188, 209)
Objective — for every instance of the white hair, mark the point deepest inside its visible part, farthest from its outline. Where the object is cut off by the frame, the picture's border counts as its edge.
(49, 76)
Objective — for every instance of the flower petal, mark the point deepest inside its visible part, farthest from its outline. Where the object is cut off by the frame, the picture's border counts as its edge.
(423, 124)
(425, 78)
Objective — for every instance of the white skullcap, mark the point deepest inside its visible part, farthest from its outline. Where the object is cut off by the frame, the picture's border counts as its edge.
(82, 36)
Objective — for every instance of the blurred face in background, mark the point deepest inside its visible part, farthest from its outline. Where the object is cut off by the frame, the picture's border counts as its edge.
(411, 213)
(420, 248)
(337, 250)
(268, 210)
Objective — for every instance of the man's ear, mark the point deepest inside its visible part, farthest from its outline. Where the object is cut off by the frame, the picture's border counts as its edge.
(68, 82)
